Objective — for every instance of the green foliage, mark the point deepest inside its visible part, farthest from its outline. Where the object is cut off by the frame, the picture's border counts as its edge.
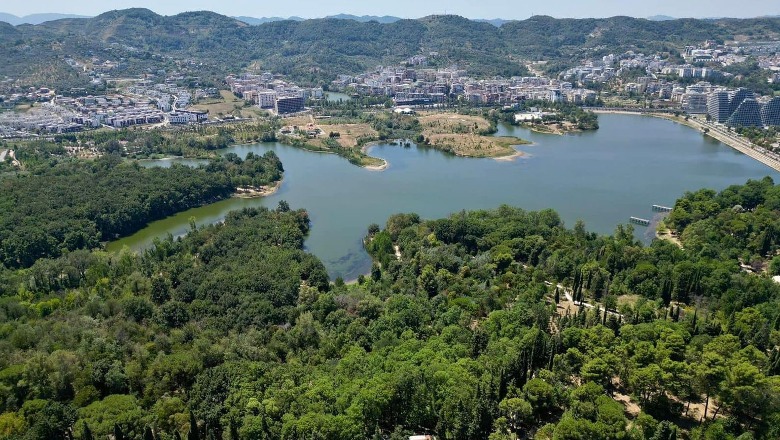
(235, 332)
(315, 51)
(76, 205)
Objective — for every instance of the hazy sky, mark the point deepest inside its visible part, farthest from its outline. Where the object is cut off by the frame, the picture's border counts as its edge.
(508, 9)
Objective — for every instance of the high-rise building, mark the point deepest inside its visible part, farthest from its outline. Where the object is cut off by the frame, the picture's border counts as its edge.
(289, 104)
(747, 114)
(694, 102)
(770, 112)
(718, 106)
(737, 96)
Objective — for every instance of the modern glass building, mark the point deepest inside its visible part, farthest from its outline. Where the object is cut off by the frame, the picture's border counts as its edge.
(747, 114)
(718, 106)
(770, 112)
(737, 96)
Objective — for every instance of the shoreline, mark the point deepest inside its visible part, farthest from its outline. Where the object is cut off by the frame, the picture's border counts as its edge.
(556, 132)
(740, 144)
(385, 163)
(510, 157)
(257, 192)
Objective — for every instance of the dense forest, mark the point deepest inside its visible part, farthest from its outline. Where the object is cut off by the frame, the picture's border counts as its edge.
(315, 51)
(190, 141)
(500, 324)
(68, 205)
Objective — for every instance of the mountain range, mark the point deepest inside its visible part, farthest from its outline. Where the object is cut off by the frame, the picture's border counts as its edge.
(316, 50)
(35, 18)
(361, 18)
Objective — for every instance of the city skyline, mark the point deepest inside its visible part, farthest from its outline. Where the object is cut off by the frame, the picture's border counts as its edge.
(488, 9)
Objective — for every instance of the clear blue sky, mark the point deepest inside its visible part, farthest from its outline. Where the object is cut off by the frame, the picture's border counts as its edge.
(508, 9)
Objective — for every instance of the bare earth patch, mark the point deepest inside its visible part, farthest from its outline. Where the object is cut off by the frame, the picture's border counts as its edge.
(349, 133)
(631, 408)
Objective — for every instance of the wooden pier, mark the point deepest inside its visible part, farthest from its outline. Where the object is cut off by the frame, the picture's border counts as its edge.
(639, 221)
(659, 208)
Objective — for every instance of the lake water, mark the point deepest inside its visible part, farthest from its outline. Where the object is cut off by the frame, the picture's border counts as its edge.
(602, 177)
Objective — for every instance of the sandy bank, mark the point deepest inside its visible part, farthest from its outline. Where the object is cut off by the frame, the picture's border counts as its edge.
(510, 157)
(251, 192)
(385, 164)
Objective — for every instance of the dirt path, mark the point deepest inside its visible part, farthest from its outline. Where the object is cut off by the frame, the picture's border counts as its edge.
(631, 408)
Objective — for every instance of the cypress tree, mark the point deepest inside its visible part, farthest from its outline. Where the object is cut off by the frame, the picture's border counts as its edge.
(233, 429)
(193, 434)
(87, 433)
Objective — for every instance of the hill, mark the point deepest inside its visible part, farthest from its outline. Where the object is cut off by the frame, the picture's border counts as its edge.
(315, 51)
(500, 325)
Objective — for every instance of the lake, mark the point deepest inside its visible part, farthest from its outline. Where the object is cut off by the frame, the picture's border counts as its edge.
(601, 177)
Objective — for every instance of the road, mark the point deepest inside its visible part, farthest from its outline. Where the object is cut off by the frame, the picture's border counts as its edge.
(716, 131)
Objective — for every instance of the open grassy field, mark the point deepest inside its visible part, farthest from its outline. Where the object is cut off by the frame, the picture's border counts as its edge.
(349, 133)
(348, 139)
(227, 104)
(460, 135)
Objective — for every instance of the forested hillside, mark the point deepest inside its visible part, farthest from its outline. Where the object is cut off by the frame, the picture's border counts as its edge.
(77, 204)
(315, 51)
(465, 331)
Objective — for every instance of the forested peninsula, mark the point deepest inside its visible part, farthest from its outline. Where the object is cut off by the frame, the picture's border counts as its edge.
(499, 324)
(64, 205)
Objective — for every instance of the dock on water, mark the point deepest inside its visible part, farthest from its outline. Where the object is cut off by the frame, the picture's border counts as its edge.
(639, 221)
(660, 208)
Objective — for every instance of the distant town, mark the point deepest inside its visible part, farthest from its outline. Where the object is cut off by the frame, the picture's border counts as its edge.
(692, 85)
